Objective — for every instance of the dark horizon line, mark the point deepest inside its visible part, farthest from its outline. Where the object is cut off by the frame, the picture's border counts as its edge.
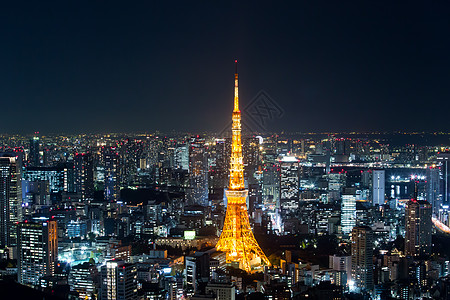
(205, 132)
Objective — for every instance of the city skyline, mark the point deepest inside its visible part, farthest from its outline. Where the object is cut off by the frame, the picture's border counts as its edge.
(129, 170)
(327, 65)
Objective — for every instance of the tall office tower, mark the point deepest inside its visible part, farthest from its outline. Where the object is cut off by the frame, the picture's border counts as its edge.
(10, 200)
(237, 239)
(289, 184)
(362, 258)
(198, 172)
(348, 213)
(82, 279)
(271, 181)
(433, 195)
(111, 164)
(418, 228)
(118, 281)
(37, 251)
(181, 158)
(444, 166)
(84, 175)
(378, 187)
(34, 155)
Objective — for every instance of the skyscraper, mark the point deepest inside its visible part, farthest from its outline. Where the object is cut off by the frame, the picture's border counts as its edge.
(198, 172)
(418, 228)
(181, 158)
(444, 166)
(348, 213)
(289, 184)
(111, 162)
(37, 251)
(433, 189)
(34, 158)
(237, 239)
(271, 181)
(217, 170)
(362, 258)
(378, 187)
(10, 200)
(118, 281)
(84, 175)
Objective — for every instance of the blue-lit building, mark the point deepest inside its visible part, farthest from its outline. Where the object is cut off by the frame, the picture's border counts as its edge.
(111, 171)
(76, 229)
(348, 213)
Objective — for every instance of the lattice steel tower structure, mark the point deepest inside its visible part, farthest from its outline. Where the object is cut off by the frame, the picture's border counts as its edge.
(237, 239)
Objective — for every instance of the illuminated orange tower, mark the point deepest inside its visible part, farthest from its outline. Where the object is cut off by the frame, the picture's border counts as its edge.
(237, 239)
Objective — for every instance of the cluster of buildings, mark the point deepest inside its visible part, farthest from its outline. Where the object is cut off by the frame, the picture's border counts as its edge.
(138, 216)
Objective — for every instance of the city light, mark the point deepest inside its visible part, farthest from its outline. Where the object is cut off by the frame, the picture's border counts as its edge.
(133, 167)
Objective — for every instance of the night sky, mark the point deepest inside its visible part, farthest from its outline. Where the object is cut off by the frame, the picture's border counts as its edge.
(74, 66)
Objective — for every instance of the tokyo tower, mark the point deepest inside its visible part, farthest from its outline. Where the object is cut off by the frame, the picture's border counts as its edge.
(237, 239)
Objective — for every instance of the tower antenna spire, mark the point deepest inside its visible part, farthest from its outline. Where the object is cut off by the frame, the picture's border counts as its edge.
(236, 92)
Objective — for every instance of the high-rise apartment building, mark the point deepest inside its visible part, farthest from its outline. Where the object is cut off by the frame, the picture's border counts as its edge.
(362, 258)
(37, 251)
(10, 200)
(418, 228)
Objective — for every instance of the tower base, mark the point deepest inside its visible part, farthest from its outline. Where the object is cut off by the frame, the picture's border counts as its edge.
(237, 239)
